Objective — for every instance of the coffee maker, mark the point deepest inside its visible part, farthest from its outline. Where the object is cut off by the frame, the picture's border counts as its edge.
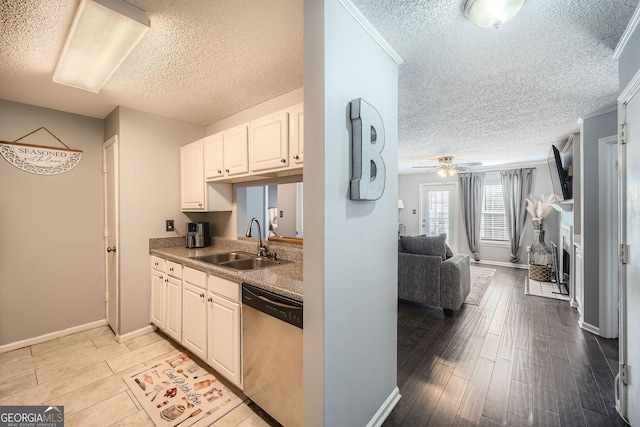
(198, 235)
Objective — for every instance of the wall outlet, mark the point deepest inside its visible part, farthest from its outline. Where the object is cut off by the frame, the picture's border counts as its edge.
(169, 225)
(414, 211)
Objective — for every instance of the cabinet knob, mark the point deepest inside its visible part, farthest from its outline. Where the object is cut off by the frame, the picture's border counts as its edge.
(201, 295)
(227, 170)
(296, 157)
(200, 204)
(170, 268)
(166, 280)
(219, 171)
(161, 277)
(283, 161)
(210, 299)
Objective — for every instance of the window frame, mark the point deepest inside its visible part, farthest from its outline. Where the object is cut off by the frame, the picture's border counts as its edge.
(493, 242)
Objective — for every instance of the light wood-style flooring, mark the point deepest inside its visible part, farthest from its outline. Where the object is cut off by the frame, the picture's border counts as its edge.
(83, 372)
(513, 360)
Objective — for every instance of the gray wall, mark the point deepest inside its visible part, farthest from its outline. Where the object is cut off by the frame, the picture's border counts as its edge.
(593, 128)
(51, 229)
(350, 255)
(629, 61)
(408, 191)
(149, 194)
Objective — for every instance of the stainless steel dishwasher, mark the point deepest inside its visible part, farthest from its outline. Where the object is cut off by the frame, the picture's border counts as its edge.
(272, 353)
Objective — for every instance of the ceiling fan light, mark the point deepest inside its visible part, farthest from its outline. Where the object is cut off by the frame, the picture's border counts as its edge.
(442, 172)
(103, 33)
(452, 172)
(491, 13)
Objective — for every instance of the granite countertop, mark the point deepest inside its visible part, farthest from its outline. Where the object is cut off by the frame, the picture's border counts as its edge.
(285, 279)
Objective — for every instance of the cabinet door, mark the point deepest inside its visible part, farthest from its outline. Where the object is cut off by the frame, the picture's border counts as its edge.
(269, 142)
(194, 320)
(173, 311)
(224, 337)
(157, 298)
(296, 135)
(236, 151)
(213, 156)
(192, 177)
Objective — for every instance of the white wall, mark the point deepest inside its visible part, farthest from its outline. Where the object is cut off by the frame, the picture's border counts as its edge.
(51, 229)
(593, 128)
(350, 259)
(149, 194)
(408, 191)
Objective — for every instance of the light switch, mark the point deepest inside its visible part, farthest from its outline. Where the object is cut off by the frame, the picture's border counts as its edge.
(281, 214)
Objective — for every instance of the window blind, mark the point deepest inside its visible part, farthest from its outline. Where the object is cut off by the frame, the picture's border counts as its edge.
(493, 224)
(438, 218)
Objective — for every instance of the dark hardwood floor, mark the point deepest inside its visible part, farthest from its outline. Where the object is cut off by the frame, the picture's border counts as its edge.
(513, 360)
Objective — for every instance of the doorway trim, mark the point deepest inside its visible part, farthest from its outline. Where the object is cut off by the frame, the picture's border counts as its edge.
(608, 251)
(112, 299)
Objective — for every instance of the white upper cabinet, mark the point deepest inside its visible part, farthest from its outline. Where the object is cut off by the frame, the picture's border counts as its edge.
(269, 141)
(236, 151)
(213, 156)
(196, 194)
(192, 177)
(296, 135)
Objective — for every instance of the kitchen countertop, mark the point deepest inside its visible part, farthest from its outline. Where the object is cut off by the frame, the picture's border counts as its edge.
(285, 280)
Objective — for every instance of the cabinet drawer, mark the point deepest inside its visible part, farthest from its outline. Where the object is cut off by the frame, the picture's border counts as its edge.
(157, 263)
(224, 287)
(174, 269)
(195, 277)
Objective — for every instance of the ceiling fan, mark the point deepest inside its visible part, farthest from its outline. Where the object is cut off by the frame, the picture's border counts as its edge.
(447, 167)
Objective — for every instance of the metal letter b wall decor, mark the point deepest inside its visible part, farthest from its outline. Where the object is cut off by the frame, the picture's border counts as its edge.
(368, 173)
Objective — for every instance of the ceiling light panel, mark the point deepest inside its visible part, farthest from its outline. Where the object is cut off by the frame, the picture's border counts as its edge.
(103, 33)
(491, 13)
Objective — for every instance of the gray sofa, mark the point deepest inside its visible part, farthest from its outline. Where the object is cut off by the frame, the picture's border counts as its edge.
(442, 280)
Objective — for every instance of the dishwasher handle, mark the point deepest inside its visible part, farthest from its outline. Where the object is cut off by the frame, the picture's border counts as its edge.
(272, 304)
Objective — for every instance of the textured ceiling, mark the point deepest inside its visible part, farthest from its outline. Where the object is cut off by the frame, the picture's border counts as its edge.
(494, 96)
(201, 61)
(498, 96)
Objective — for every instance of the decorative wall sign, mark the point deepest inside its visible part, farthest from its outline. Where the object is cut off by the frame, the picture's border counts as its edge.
(368, 173)
(40, 159)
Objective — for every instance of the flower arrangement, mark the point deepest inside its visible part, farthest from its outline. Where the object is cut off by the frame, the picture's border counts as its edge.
(540, 208)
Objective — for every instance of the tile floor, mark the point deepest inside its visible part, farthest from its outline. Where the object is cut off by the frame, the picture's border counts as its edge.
(84, 373)
(543, 289)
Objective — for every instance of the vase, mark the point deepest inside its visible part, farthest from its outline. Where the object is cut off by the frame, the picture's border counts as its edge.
(539, 253)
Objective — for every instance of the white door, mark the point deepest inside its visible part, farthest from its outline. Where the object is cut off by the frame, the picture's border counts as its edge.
(192, 176)
(438, 211)
(236, 151)
(173, 312)
(224, 337)
(110, 170)
(214, 156)
(269, 142)
(629, 336)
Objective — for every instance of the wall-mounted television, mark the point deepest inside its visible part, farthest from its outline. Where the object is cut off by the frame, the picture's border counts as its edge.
(559, 176)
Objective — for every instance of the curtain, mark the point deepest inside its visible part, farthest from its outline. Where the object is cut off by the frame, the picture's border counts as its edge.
(471, 186)
(516, 186)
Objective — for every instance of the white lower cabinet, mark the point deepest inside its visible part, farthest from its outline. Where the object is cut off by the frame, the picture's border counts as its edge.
(173, 312)
(157, 298)
(200, 311)
(224, 336)
(194, 320)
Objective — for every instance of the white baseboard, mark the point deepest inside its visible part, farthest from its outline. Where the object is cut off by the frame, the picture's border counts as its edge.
(589, 328)
(137, 333)
(386, 408)
(501, 264)
(52, 335)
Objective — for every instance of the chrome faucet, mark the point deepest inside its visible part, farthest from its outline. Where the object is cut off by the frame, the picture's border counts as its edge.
(262, 250)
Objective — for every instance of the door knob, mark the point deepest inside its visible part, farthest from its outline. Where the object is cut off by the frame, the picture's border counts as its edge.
(296, 157)
(283, 161)
(111, 249)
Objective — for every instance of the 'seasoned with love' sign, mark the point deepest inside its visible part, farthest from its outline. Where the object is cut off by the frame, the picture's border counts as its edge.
(38, 159)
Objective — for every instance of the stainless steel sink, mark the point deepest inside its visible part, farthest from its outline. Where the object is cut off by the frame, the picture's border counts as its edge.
(239, 260)
(223, 257)
(252, 263)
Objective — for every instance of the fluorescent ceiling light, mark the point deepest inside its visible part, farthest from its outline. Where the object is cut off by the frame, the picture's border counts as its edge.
(491, 13)
(101, 36)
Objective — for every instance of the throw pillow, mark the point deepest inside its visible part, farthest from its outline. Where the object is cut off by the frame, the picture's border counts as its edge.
(448, 251)
(424, 245)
